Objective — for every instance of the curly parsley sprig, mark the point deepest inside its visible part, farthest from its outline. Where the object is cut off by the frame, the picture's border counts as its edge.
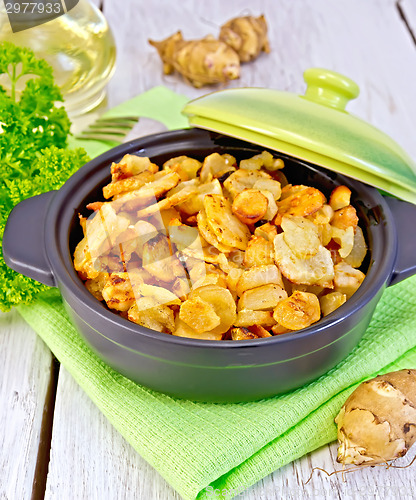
(33, 154)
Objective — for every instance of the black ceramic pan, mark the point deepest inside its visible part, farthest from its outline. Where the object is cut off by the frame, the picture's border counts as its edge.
(42, 232)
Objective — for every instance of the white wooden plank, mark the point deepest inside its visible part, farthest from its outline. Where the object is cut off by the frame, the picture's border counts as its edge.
(291, 482)
(90, 459)
(25, 368)
(408, 8)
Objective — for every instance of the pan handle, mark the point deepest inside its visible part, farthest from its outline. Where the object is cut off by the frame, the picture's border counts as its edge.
(23, 240)
(404, 215)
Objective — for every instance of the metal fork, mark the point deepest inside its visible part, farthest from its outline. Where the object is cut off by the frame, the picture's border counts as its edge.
(109, 129)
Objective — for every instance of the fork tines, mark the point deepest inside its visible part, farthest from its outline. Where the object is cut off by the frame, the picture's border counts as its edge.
(112, 129)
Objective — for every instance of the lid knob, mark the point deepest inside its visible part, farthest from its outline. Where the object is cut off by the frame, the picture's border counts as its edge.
(329, 88)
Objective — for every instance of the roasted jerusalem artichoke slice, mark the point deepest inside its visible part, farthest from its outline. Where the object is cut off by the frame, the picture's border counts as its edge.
(222, 302)
(184, 330)
(301, 235)
(263, 298)
(148, 312)
(159, 261)
(299, 200)
(257, 276)
(199, 315)
(131, 165)
(118, 292)
(227, 227)
(298, 311)
(250, 206)
(317, 270)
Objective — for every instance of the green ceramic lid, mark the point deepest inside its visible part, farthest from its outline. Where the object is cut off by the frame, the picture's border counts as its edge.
(314, 127)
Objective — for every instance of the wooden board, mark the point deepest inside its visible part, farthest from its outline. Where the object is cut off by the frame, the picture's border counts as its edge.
(90, 459)
(25, 371)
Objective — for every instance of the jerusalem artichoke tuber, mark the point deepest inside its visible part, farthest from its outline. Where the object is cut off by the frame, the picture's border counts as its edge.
(201, 62)
(377, 423)
(246, 35)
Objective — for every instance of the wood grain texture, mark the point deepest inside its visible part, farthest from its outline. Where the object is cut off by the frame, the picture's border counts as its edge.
(90, 459)
(408, 8)
(25, 368)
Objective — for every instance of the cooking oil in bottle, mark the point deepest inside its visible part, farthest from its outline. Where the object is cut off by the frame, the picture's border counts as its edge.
(80, 48)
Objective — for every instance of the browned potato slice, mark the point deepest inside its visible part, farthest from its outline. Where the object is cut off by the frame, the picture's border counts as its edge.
(299, 200)
(198, 269)
(347, 279)
(259, 252)
(127, 184)
(189, 165)
(331, 301)
(298, 311)
(158, 259)
(260, 331)
(183, 236)
(222, 302)
(149, 313)
(345, 217)
(317, 270)
(168, 202)
(103, 228)
(210, 279)
(235, 259)
(233, 276)
(184, 330)
(195, 203)
(270, 185)
(279, 329)
(243, 179)
(131, 165)
(345, 239)
(271, 205)
(258, 276)
(169, 215)
(322, 216)
(148, 193)
(118, 292)
(250, 206)
(301, 235)
(264, 298)
(158, 294)
(340, 197)
(134, 237)
(267, 231)
(242, 333)
(325, 233)
(216, 165)
(208, 233)
(359, 249)
(251, 163)
(315, 289)
(95, 286)
(227, 227)
(83, 263)
(199, 315)
(264, 159)
(181, 288)
(248, 317)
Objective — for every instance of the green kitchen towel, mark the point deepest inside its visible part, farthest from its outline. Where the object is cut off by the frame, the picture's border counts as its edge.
(202, 447)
